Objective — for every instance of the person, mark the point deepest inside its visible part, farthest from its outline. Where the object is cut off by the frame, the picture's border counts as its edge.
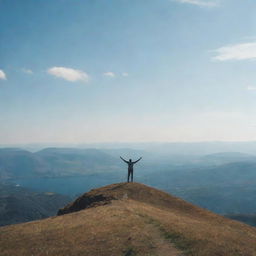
(130, 167)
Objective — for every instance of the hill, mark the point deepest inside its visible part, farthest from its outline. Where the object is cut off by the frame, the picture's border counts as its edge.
(53, 162)
(16, 163)
(19, 204)
(129, 219)
(72, 161)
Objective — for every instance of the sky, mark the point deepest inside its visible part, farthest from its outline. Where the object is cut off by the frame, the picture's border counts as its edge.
(83, 71)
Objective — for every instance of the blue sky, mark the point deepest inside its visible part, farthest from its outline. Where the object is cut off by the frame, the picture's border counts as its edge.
(77, 71)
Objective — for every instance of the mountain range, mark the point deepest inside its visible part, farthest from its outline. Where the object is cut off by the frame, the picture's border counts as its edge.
(221, 182)
(51, 162)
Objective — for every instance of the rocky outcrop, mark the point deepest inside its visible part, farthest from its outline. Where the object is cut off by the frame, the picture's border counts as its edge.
(85, 201)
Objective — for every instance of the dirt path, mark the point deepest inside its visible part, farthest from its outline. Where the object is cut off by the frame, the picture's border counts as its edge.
(160, 245)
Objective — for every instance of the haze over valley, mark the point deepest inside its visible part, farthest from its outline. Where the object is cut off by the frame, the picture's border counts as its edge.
(221, 182)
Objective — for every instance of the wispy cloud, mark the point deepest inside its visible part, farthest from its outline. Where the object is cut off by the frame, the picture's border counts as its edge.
(125, 74)
(2, 75)
(202, 3)
(243, 51)
(69, 74)
(109, 74)
(27, 71)
(251, 88)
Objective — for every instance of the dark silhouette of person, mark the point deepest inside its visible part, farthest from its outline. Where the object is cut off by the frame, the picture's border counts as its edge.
(130, 167)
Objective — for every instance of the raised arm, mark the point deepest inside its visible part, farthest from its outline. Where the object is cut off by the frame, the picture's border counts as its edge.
(137, 160)
(124, 160)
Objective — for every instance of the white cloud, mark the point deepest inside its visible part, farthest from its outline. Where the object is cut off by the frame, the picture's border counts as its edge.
(203, 3)
(2, 75)
(251, 88)
(109, 74)
(243, 51)
(27, 71)
(125, 74)
(69, 74)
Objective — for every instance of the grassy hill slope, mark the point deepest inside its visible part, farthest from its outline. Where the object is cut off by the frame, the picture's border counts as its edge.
(130, 219)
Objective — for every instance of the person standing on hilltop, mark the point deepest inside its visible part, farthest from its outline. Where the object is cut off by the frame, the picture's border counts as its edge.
(130, 167)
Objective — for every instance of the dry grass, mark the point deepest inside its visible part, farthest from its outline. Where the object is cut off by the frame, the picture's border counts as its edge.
(152, 225)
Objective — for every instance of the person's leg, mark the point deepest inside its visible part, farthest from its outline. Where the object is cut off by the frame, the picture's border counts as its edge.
(132, 175)
(128, 176)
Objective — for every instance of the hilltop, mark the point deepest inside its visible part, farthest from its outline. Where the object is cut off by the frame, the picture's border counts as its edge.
(129, 219)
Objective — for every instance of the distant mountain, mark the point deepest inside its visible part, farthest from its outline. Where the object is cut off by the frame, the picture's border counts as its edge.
(56, 162)
(228, 157)
(130, 219)
(51, 162)
(21, 205)
(71, 161)
(223, 182)
(16, 163)
(240, 173)
(228, 188)
(222, 199)
(187, 148)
